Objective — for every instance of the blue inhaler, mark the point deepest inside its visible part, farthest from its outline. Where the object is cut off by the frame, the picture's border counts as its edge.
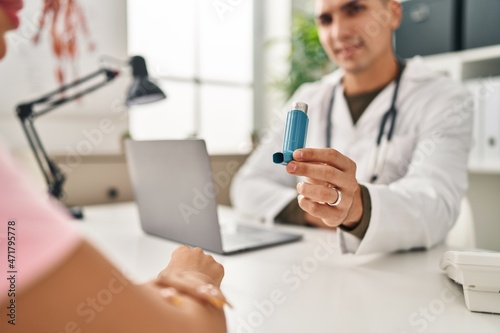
(295, 133)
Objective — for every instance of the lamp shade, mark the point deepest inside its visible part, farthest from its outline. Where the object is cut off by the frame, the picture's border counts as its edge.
(142, 90)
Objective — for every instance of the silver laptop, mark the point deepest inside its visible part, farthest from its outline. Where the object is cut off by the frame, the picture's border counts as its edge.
(176, 195)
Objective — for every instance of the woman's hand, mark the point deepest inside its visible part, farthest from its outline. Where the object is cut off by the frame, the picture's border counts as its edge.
(329, 174)
(195, 261)
(194, 273)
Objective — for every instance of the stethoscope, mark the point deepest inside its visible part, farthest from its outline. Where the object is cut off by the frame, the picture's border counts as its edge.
(379, 155)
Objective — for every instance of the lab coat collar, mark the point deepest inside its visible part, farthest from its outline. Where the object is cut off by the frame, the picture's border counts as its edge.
(414, 74)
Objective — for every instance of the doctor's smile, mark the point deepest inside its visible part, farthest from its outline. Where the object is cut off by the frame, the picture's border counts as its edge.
(348, 51)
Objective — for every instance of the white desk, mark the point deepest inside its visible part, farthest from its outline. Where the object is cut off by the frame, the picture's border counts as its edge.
(397, 293)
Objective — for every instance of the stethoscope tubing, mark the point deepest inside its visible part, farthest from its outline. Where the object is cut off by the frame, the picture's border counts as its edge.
(382, 144)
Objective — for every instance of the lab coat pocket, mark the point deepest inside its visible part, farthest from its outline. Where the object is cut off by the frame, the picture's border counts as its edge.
(399, 157)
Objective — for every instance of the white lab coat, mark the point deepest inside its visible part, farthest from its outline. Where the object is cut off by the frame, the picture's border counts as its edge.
(417, 198)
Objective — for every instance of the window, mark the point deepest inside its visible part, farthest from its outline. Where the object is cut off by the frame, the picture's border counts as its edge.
(201, 53)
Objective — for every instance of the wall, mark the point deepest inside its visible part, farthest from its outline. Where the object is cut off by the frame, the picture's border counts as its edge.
(484, 193)
(104, 179)
(28, 72)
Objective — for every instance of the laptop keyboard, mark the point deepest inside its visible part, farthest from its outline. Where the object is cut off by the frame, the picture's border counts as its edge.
(247, 236)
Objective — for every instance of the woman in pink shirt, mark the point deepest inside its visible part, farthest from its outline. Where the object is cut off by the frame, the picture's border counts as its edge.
(54, 271)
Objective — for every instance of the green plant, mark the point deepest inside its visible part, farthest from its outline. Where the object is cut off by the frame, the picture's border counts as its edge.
(308, 60)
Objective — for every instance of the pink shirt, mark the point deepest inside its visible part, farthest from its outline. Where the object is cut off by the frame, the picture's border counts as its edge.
(39, 231)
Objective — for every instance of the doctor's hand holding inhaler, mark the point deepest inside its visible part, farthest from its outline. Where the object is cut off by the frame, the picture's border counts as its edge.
(330, 195)
(387, 144)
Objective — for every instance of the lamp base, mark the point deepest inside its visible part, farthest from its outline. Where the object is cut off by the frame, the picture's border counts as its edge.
(76, 212)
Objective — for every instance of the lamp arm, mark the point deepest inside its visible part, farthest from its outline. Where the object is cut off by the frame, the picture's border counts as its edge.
(110, 74)
(53, 175)
(28, 130)
(51, 172)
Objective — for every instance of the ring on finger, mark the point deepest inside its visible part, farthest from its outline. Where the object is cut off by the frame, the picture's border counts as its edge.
(339, 198)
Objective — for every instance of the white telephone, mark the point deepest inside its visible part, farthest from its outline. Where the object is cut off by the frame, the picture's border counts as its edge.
(479, 274)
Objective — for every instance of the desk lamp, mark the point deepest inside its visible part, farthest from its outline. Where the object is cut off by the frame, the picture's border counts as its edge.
(142, 91)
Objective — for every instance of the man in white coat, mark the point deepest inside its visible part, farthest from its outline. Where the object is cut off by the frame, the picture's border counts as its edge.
(409, 198)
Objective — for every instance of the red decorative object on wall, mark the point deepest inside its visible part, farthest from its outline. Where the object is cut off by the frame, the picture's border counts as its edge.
(67, 20)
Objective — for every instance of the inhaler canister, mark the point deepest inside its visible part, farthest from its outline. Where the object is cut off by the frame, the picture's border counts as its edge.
(295, 133)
